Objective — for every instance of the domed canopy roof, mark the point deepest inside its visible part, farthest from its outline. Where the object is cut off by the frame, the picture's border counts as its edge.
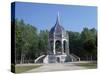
(57, 28)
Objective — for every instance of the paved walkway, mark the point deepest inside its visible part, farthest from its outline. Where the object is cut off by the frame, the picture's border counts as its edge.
(56, 67)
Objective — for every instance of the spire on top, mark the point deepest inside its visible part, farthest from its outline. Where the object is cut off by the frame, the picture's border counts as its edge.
(58, 14)
(57, 21)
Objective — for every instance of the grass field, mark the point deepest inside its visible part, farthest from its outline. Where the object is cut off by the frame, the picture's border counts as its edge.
(21, 69)
(88, 65)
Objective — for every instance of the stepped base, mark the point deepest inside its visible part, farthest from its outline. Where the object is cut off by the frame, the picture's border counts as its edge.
(55, 58)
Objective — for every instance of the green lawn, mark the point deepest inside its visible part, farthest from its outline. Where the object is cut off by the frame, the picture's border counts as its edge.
(88, 65)
(21, 69)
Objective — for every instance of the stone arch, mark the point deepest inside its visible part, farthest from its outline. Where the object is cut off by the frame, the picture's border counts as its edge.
(58, 47)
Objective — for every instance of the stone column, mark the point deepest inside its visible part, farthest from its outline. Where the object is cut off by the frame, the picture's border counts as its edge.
(68, 45)
(62, 48)
(54, 47)
(67, 48)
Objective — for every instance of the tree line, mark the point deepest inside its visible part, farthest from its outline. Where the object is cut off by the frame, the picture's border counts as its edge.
(31, 43)
(84, 44)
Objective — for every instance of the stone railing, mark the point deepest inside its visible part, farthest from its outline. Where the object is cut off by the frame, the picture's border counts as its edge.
(39, 59)
(74, 57)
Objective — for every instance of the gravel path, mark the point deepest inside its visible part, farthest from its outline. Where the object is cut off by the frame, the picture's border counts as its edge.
(56, 67)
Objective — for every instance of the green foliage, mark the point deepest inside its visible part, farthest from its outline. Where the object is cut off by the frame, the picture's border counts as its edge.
(84, 44)
(75, 43)
(30, 44)
(43, 41)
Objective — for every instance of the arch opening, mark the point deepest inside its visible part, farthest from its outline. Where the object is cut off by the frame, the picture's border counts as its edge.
(58, 47)
(64, 46)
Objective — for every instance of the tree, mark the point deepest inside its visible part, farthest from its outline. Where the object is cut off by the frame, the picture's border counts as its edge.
(79, 43)
(26, 41)
(74, 43)
(43, 41)
(88, 38)
(30, 44)
(89, 46)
